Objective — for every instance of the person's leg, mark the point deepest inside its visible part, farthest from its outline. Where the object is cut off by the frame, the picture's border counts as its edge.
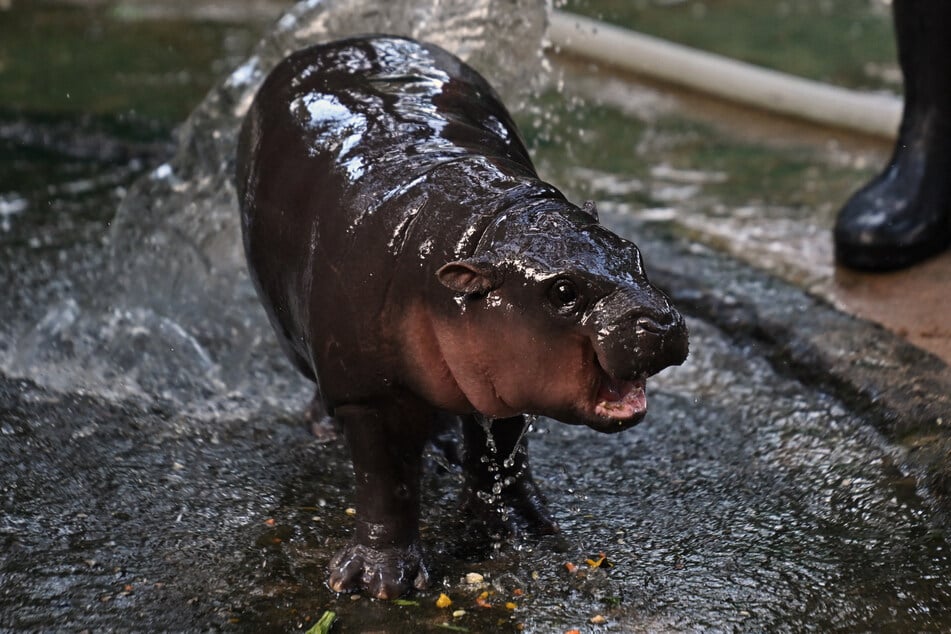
(904, 215)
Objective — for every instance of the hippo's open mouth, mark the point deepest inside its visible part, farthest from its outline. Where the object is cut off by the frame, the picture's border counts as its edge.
(621, 400)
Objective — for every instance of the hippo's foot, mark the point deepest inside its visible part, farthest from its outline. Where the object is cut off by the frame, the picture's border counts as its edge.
(518, 509)
(384, 573)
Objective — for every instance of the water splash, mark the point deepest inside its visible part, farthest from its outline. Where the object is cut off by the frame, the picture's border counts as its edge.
(502, 469)
(175, 316)
(10, 205)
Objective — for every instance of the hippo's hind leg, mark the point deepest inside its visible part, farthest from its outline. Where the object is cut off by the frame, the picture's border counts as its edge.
(386, 444)
(499, 491)
(322, 425)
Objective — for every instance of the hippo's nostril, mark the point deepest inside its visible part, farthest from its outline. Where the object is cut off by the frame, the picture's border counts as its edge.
(650, 325)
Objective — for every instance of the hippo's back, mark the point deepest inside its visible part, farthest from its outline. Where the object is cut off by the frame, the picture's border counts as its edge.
(362, 115)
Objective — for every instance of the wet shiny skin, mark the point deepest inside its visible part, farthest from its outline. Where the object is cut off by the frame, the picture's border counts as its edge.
(411, 260)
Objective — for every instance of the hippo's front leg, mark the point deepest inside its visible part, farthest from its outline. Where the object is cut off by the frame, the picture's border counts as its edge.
(499, 489)
(386, 445)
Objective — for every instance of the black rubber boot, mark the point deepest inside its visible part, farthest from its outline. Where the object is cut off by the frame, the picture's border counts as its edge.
(904, 215)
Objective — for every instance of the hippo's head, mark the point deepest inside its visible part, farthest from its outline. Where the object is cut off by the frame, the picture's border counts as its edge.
(557, 317)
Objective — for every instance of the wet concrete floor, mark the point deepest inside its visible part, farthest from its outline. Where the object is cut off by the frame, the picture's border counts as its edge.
(741, 504)
(914, 303)
(792, 476)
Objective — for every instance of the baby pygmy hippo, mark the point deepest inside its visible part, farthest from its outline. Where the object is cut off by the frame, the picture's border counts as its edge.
(413, 264)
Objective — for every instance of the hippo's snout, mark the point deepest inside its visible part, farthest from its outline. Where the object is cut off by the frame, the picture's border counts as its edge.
(660, 341)
(639, 335)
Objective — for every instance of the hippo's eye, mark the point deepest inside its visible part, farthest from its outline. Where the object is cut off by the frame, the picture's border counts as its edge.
(564, 295)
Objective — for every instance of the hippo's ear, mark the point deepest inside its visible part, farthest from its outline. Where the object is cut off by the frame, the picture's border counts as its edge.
(470, 277)
(590, 208)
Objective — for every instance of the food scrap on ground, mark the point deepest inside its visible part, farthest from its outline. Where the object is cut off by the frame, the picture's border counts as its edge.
(406, 602)
(483, 600)
(601, 561)
(474, 578)
(323, 624)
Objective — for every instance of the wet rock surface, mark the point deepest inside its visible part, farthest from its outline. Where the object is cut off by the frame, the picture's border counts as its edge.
(792, 476)
(740, 504)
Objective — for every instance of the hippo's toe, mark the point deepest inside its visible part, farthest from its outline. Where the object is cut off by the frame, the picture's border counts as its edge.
(384, 573)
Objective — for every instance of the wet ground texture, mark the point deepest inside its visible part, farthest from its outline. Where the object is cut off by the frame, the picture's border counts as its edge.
(741, 504)
(793, 475)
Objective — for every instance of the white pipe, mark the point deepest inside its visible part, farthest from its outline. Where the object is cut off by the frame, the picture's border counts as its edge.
(726, 78)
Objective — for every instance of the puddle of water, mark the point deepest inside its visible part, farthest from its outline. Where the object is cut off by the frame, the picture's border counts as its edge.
(67, 58)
